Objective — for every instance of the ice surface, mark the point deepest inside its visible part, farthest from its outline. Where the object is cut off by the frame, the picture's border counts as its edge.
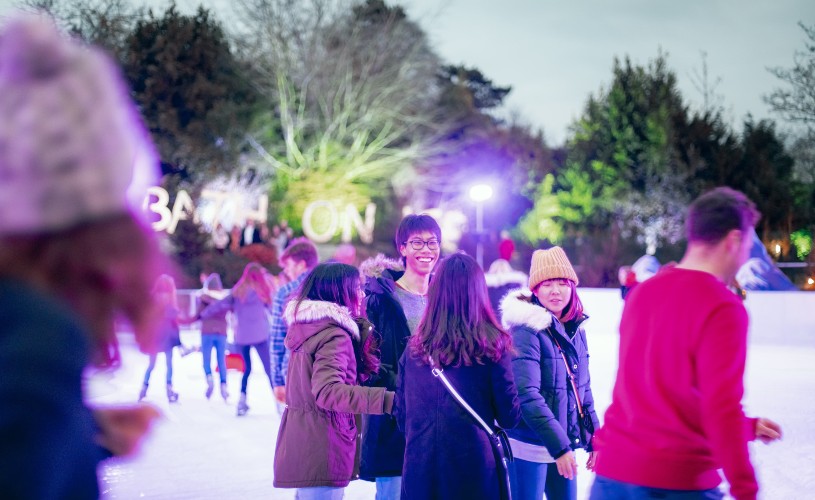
(201, 450)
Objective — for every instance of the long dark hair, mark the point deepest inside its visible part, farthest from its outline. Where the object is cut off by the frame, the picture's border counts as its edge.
(340, 284)
(459, 327)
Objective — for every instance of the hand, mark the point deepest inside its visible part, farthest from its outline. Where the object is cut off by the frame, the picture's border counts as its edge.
(280, 393)
(767, 431)
(123, 428)
(591, 461)
(567, 465)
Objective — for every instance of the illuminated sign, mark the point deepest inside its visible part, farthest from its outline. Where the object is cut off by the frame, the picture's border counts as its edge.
(321, 219)
(158, 202)
(332, 220)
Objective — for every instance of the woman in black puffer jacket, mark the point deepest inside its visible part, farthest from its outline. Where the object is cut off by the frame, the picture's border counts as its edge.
(545, 323)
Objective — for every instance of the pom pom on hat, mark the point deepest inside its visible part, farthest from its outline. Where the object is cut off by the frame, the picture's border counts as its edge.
(72, 144)
(550, 264)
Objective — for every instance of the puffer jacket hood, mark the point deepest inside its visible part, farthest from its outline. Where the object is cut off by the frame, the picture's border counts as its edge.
(311, 316)
(517, 309)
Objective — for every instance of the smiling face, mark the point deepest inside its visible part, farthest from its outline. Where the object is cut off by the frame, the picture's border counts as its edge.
(420, 261)
(554, 295)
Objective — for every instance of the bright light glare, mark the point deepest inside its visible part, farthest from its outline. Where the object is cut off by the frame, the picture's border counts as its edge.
(811, 281)
(481, 192)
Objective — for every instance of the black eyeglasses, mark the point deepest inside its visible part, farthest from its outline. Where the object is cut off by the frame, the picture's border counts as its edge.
(419, 244)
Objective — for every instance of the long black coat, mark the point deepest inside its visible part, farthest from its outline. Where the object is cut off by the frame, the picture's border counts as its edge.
(448, 454)
(383, 446)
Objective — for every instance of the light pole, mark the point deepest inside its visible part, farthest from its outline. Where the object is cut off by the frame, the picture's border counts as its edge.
(480, 193)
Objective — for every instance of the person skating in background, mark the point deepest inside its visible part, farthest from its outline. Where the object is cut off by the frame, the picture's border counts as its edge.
(501, 279)
(551, 368)
(167, 296)
(250, 300)
(676, 417)
(297, 260)
(213, 334)
(395, 301)
(332, 351)
(628, 280)
(448, 454)
(75, 254)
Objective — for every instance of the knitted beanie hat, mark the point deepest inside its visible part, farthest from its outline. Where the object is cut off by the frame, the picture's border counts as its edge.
(550, 264)
(72, 145)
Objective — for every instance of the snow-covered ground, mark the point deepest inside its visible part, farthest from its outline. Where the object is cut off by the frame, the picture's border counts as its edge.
(201, 450)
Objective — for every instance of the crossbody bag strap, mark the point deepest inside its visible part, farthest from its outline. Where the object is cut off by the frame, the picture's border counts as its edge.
(439, 373)
(568, 373)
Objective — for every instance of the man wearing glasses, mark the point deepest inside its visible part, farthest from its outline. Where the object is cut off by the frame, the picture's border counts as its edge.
(395, 301)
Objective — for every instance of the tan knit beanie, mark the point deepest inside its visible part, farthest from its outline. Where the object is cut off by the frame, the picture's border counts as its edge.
(550, 264)
(72, 145)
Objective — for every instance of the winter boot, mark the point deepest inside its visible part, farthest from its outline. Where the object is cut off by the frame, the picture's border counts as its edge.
(172, 396)
(143, 392)
(210, 386)
(242, 406)
(224, 392)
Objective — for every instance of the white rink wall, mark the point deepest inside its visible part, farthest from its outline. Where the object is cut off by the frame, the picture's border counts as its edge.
(778, 318)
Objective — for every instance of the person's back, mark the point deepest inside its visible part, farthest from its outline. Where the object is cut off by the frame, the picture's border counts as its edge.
(677, 326)
(676, 415)
(444, 445)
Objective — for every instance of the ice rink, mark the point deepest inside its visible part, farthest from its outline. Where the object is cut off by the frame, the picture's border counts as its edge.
(201, 450)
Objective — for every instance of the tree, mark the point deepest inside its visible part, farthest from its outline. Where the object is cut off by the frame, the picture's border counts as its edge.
(105, 23)
(621, 184)
(352, 100)
(191, 91)
(796, 101)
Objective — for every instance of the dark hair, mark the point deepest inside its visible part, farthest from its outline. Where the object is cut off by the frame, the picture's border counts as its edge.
(340, 284)
(717, 212)
(103, 269)
(332, 282)
(413, 224)
(459, 326)
(303, 250)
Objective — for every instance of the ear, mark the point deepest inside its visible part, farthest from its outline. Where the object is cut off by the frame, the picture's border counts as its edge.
(403, 250)
(734, 239)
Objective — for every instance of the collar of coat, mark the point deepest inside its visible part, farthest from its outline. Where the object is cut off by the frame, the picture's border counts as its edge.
(311, 311)
(517, 309)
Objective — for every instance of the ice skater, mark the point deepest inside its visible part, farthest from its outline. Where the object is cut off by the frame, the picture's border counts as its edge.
(166, 295)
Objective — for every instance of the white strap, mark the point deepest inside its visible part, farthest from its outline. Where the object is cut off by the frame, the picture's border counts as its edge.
(439, 373)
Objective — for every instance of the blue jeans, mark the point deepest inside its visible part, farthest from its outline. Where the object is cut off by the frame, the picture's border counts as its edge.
(389, 488)
(609, 489)
(168, 356)
(530, 480)
(208, 341)
(319, 493)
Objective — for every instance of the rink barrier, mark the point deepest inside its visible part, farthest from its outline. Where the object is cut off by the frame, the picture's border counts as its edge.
(777, 318)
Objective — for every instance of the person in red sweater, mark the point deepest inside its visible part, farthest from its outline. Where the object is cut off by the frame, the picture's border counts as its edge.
(676, 415)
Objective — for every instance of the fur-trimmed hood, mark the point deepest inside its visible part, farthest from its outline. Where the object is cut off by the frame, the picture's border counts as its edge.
(517, 309)
(375, 266)
(312, 314)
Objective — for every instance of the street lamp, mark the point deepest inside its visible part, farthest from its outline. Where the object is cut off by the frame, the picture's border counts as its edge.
(480, 193)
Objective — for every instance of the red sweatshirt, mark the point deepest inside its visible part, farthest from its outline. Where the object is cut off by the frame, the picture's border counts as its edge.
(676, 414)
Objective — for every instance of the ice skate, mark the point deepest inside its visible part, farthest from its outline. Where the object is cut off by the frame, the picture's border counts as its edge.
(172, 396)
(242, 406)
(143, 392)
(210, 386)
(224, 392)
(184, 350)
